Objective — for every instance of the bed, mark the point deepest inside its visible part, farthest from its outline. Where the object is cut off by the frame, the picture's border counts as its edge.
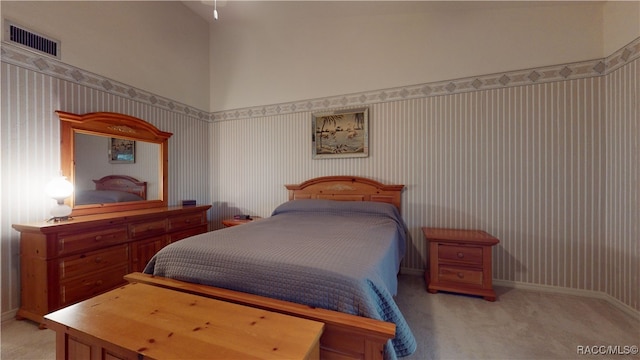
(113, 189)
(334, 249)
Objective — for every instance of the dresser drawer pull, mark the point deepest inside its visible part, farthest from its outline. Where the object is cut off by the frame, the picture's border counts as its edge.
(460, 255)
(98, 238)
(98, 260)
(460, 275)
(88, 283)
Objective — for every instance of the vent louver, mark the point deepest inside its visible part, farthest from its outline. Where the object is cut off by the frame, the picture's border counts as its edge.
(19, 35)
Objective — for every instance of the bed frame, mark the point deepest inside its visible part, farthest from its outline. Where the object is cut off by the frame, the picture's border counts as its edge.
(345, 336)
(122, 183)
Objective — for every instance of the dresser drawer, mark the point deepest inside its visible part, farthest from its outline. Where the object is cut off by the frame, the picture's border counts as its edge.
(460, 253)
(148, 228)
(93, 261)
(186, 221)
(78, 289)
(460, 275)
(74, 242)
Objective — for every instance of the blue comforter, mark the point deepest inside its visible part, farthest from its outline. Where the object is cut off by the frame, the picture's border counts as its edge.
(341, 256)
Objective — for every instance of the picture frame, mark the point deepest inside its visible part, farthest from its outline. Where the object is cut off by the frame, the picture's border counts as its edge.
(122, 151)
(340, 134)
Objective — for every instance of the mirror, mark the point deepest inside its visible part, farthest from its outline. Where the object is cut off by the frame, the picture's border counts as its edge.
(116, 162)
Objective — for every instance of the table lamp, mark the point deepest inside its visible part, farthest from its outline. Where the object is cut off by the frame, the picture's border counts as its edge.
(59, 189)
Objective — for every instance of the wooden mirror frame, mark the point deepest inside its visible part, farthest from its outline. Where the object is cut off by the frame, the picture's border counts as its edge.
(114, 125)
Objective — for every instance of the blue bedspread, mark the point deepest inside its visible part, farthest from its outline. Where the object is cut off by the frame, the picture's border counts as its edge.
(341, 256)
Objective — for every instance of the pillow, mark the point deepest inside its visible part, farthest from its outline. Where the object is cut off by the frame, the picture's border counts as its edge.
(104, 196)
(368, 208)
(334, 206)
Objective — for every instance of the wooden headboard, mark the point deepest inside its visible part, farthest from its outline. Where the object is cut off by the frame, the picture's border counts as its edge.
(122, 183)
(347, 188)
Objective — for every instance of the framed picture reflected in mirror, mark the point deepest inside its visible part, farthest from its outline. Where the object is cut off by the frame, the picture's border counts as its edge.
(122, 151)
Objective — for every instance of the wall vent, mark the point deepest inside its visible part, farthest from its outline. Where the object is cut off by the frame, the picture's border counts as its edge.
(22, 36)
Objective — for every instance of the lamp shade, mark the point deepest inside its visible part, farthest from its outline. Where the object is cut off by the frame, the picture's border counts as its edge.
(59, 188)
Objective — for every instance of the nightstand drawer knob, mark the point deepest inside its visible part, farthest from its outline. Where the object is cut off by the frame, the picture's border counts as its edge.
(460, 255)
(461, 275)
(99, 237)
(98, 260)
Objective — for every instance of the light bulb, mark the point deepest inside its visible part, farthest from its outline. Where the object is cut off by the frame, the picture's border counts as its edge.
(59, 188)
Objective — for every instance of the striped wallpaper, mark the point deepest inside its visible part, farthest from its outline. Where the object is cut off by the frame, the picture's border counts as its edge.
(619, 249)
(30, 133)
(550, 168)
(521, 163)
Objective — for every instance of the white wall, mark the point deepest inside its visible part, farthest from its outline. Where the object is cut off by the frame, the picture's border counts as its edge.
(158, 46)
(620, 24)
(272, 52)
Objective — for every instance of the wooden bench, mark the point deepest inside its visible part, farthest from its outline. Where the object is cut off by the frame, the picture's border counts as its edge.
(140, 321)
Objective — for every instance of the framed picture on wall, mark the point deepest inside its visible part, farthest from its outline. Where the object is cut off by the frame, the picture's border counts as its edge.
(341, 134)
(122, 151)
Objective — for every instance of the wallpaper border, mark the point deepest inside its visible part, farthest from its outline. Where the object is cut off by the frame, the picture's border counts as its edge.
(22, 57)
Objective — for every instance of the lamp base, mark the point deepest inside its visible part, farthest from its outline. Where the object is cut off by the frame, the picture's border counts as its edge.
(60, 212)
(60, 218)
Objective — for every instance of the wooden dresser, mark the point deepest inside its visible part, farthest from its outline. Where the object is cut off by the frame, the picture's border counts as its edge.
(66, 262)
(459, 261)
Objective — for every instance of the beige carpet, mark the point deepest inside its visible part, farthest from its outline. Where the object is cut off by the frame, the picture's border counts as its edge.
(520, 325)
(23, 340)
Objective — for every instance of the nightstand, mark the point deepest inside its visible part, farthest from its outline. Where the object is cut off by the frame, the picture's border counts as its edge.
(459, 261)
(234, 222)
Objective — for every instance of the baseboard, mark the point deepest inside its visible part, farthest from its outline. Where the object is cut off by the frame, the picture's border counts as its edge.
(11, 314)
(568, 291)
(407, 271)
(553, 289)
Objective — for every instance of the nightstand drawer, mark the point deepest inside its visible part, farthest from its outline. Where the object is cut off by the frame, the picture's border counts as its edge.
(86, 263)
(460, 275)
(459, 261)
(462, 254)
